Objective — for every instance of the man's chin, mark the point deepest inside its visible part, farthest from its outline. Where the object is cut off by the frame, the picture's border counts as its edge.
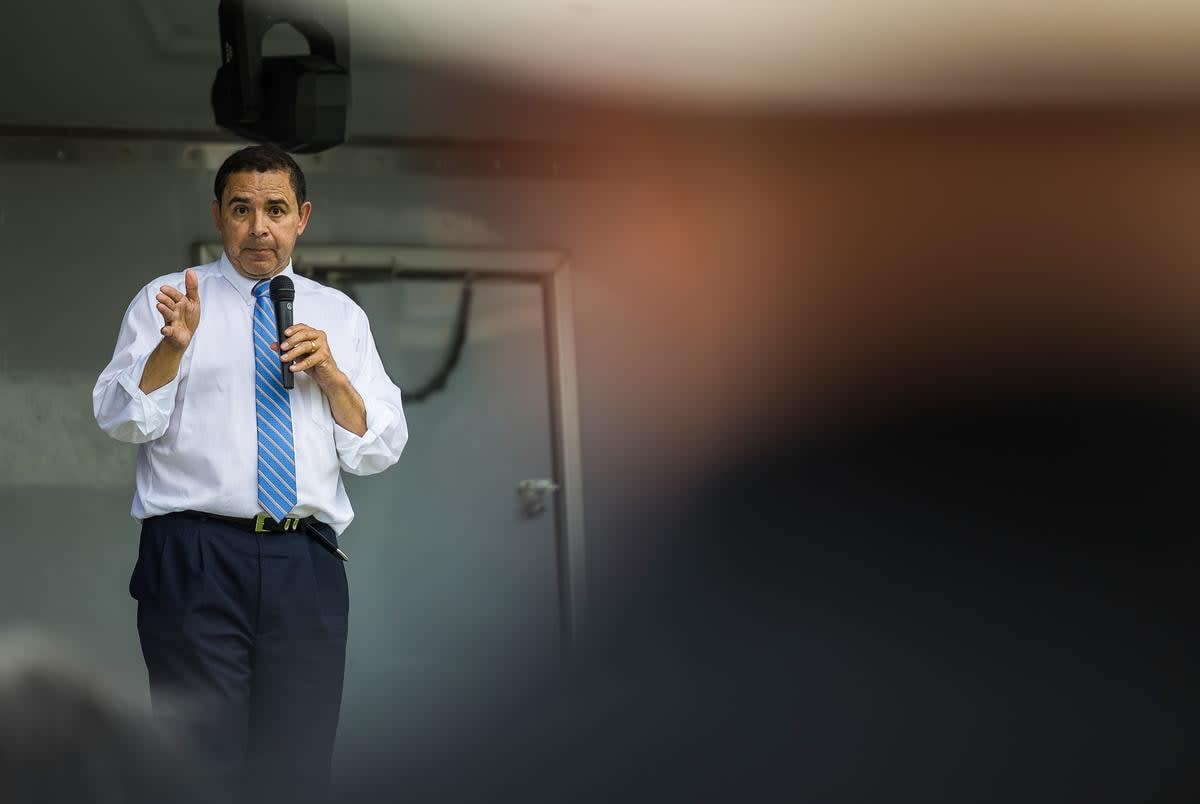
(257, 268)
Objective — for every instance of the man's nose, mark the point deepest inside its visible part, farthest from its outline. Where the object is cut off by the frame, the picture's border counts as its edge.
(258, 226)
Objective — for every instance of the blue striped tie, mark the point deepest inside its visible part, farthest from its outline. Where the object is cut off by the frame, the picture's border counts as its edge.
(276, 449)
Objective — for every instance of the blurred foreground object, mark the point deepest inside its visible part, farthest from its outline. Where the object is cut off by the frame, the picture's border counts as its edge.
(65, 737)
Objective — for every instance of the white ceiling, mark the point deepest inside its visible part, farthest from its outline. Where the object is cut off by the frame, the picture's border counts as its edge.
(823, 52)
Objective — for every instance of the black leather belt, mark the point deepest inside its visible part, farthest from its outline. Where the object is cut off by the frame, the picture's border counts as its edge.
(261, 523)
(265, 524)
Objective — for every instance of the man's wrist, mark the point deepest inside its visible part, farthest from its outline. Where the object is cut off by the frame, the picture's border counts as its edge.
(161, 367)
(170, 347)
(334, 383)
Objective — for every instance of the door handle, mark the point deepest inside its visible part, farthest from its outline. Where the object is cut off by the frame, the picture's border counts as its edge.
(533, 495)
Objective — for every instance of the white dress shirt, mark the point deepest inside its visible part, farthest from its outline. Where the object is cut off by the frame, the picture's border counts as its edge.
(198, 433)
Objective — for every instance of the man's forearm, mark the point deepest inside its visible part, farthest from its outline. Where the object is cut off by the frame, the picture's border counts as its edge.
(161, 367)
(346, 405)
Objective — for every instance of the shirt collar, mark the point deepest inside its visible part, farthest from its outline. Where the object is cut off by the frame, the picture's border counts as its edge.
(244, 285)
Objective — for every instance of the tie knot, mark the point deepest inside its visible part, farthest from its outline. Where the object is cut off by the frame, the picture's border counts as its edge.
(262, 288)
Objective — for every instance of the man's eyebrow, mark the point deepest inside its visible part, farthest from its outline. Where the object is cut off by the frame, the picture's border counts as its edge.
(279, 201)
(239, 199)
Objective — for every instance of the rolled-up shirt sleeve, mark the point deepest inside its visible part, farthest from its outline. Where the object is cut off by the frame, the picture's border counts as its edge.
(387, 431)
(120, 407)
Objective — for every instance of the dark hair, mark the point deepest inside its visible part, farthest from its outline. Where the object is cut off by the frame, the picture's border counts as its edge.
(261, 159)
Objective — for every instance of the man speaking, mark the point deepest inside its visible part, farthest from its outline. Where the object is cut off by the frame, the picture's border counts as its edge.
(241, 587)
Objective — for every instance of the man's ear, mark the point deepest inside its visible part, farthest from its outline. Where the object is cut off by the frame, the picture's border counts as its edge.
(305, 211)
(216, 210)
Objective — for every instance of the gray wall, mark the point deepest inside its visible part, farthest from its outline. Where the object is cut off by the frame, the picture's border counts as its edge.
(78, 237)
(78, 240)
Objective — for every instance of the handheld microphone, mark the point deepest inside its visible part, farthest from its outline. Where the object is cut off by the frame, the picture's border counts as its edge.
(283, 293)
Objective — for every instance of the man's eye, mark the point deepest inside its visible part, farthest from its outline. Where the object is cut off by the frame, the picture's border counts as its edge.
(239, 210)
(276, 210)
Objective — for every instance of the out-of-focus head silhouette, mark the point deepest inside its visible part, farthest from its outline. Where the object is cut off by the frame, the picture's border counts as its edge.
(66, 736)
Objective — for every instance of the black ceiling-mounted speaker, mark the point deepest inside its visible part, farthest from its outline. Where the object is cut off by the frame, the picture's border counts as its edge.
(299, 103)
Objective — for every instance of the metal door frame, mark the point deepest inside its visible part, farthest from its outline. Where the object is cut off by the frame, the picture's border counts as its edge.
(549, 269)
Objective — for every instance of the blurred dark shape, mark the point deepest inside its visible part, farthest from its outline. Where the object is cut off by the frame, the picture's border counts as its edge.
(65, 737)
(298, 102)
(981, 596)
(948, 552)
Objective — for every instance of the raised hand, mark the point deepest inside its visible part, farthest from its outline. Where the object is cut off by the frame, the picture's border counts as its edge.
(180, 311)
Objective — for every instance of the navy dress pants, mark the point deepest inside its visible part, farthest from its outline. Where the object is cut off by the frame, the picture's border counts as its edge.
(244, 637)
